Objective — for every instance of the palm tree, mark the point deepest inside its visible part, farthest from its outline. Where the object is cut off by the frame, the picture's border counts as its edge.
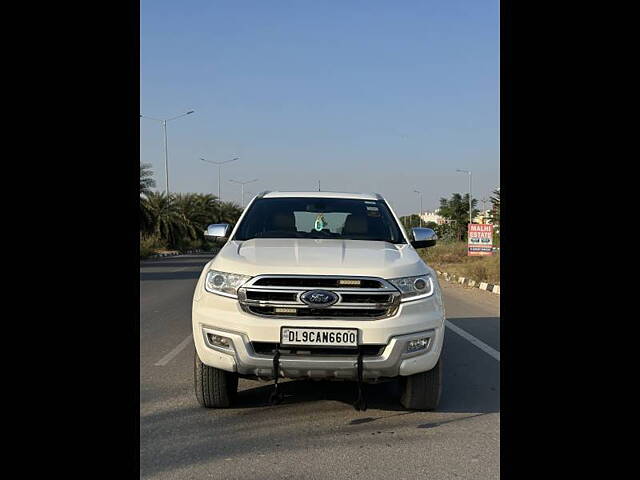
(167, 219)
(146, 179)
(182, 217)
(229, 212)
(146, 216)
(199, 208)
(146, 183)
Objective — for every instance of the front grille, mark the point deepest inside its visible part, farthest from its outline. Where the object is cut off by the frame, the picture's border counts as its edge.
(280, 296)
(269, 348)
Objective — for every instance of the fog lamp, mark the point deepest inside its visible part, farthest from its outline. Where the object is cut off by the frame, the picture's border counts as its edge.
(417, 344)
(218, 341)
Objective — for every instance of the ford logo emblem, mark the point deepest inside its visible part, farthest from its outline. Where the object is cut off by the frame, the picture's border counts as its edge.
(319, 298)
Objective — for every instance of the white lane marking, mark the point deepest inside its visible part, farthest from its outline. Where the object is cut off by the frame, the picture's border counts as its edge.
(172, 354)
(177, 270)
(467, 336)
(180, 269)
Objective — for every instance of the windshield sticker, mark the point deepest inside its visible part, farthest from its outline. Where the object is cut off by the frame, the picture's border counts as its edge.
(320, 223)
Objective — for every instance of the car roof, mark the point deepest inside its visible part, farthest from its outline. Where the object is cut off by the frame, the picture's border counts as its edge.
(310, 194)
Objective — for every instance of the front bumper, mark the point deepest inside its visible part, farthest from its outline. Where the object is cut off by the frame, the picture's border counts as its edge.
(224, 317)
(394, 360)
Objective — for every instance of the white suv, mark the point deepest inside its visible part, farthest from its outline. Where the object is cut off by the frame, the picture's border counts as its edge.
(318, 285)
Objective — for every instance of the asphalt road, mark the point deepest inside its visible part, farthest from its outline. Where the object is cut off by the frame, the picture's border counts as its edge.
(315, 433)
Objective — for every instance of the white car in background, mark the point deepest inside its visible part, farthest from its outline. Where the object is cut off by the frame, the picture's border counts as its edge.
(318, 285)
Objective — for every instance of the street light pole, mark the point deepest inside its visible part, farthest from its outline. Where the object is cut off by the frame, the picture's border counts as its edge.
(420, 216)
(469, 172)
(166, 151)
(243, 184)
(219, 164)
(484, 208)
(166, 158)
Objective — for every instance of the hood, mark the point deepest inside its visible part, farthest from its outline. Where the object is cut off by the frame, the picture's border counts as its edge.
(307, 256)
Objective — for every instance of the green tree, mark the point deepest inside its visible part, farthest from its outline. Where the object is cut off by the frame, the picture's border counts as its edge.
(167, 219)
(410, 221)
(456, 211)
(146, 216)
(229, 212)
(431, 225)
(146, 183)
(495, 211)
(180, 220)
(146, 179)
(445, 232)
(201, 209)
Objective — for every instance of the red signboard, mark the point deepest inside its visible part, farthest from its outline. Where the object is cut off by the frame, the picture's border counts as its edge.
(480, 239)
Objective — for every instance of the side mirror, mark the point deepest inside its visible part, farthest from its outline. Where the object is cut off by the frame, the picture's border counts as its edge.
(216, 230)
(423, 237)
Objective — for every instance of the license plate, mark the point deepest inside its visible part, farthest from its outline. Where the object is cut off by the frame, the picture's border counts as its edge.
(319, 337)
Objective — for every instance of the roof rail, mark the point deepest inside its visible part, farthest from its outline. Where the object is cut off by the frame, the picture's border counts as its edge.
(263, 193)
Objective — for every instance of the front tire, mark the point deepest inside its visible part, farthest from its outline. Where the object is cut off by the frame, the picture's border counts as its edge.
(215, 388)
(422, 391)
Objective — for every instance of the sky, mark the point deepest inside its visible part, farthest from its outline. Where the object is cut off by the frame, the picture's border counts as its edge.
(361, 95)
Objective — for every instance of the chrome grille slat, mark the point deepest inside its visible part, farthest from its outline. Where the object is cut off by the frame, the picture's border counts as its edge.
(352, 306)
(306, 289)
(357, 298)
(325, 314)
(313, 281)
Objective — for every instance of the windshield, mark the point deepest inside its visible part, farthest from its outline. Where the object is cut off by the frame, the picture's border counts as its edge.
(341, 218)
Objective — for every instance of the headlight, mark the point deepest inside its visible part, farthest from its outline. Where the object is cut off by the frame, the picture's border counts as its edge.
(413, 288)
(224, 283)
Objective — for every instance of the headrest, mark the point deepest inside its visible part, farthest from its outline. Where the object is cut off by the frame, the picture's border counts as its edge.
(284, 221)
(355, 225)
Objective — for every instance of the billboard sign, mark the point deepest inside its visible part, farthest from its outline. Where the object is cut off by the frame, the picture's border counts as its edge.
(480, 239)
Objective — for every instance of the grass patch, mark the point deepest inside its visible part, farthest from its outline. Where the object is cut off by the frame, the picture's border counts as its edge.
(452, 258)
(150, 245)
(185, 244)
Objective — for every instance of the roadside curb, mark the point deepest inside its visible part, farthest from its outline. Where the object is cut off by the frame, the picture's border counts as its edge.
(173, 254)
(176, 253)
(470, 283)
